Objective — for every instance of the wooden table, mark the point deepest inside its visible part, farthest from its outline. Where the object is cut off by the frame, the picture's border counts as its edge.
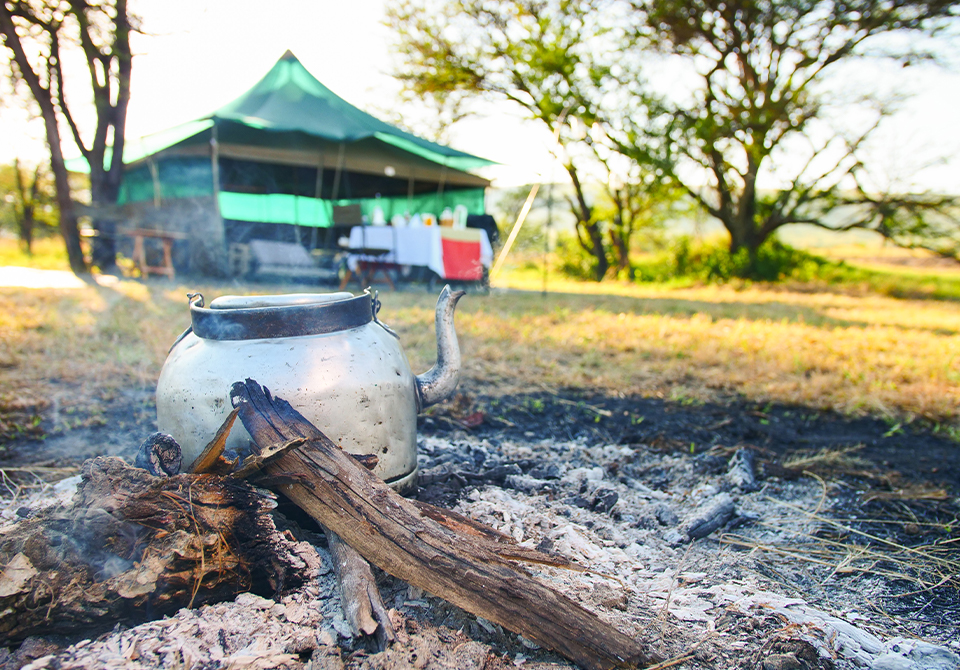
(368, 263)
(166, 238)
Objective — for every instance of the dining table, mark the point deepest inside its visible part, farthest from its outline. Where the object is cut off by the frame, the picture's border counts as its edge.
(458, 254)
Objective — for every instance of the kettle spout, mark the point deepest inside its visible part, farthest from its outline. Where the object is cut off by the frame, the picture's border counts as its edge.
(441, 380)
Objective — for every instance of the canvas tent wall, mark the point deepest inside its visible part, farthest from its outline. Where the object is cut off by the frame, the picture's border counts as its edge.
(279, 163)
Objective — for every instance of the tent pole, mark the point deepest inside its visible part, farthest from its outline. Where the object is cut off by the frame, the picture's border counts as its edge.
(215, 168)
(318, 194)
(318, 190)
(155, 178)
(515, 230)
(443, 182)
(296, 204)
(336, 175)
(410, 190)
(529, 202)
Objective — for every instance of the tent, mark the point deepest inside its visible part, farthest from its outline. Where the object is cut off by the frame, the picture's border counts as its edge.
(287, 161)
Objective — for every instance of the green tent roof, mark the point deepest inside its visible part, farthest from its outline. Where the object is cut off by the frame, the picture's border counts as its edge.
(290, 99)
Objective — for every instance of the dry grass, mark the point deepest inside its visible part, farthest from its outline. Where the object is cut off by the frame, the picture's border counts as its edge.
(829, 461)
(48, 254)
(890, 258)
(72, 349)
(897, 358)
(870, 354)
(840, 548)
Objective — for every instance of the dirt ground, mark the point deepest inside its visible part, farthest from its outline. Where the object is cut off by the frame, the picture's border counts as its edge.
(892, 454)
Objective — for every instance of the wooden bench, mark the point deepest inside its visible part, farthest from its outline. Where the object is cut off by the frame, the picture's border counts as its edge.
(287, 260)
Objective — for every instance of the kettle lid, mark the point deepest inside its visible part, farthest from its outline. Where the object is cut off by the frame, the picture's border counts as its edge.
(291, 315)
(281, 300)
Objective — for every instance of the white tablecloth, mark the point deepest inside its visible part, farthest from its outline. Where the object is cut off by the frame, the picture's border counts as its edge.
(414, 246)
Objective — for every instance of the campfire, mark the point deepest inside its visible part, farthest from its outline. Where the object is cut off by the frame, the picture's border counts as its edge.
(678, 560)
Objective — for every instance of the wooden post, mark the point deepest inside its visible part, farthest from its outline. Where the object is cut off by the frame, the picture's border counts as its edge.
(215, 168)
(155, 178)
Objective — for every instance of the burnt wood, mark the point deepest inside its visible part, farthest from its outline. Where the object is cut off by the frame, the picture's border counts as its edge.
(363, 607)
(132, 546)
(428, 547)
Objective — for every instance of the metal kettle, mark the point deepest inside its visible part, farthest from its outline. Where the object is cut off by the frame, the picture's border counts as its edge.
(326, 354)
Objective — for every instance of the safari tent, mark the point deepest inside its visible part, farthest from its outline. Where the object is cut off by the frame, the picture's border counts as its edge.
(287, 161)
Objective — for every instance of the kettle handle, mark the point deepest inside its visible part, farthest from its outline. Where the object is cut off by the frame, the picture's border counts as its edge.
(376, 305)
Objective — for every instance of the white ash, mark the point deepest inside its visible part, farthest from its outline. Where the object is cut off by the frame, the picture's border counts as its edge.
(666, 546)
(250, 632)
(14, 506)
(624, 513)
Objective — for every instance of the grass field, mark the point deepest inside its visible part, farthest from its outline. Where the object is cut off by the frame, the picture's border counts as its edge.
(842, 348)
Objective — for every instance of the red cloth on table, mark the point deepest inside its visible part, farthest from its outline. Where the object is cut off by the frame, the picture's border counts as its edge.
(461, 257)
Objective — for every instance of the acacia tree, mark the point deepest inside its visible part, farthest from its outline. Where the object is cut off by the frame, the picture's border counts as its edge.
(759, 64)
(37, 34)
(28, 201)
(548, 57)
(646, 204)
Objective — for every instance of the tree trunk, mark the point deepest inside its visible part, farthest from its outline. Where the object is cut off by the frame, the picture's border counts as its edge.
(593, 243)
(597, 249)
(745, 235)
(69, 227)
(26, 225)
(104, 251)
(28, 200)
(620, 241)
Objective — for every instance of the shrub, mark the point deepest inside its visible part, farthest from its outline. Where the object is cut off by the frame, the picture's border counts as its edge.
(573, 261)
(774, 261)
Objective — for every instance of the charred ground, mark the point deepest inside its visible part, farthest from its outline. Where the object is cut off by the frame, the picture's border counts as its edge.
(894, 485)
(877, 452)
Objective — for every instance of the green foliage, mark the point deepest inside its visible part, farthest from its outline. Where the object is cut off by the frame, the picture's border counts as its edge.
(709, 263)
(687, 262)
(48, 253)
(755, 108)
(36, 36)
(28, 204)
(758, 109)
(550, 59)
(573, 261)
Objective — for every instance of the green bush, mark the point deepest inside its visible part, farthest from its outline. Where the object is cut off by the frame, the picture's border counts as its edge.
(573, 261)
(774, 261)
(687, 262)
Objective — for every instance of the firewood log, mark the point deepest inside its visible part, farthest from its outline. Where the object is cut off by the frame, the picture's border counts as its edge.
(132, 546)
(471, 569)
(363, 607)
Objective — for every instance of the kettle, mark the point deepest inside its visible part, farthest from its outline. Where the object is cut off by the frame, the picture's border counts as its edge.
(327, 354)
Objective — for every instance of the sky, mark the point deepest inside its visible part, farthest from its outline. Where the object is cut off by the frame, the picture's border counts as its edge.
(199, 55)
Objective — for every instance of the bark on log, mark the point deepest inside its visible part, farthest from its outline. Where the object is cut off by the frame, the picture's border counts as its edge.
(133, 546)
(473, 570)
